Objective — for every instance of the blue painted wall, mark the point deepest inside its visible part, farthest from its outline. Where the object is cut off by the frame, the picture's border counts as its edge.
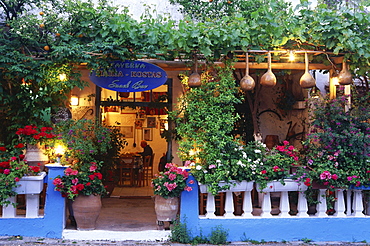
(49, 226)
(273, 229)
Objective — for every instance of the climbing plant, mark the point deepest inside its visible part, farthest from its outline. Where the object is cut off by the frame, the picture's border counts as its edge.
(56, 36)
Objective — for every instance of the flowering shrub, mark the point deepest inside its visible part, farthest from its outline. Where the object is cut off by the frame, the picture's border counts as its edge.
(337, 149)
(32, 134)
(171, 182)
(80, 179)
(85, 140)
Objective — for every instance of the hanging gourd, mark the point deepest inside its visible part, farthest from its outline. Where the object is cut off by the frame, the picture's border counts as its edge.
(307, 81)
(194, 79)
(345, 76)
(268, 79)
(247, 83)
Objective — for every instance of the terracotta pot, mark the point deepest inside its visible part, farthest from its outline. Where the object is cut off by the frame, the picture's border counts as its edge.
(307, 81)
(166, 208)
(86, 210)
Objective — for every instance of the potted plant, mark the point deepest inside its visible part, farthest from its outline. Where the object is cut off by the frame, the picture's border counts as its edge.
(85, 142)
(275, 167)
(34, 137)
(167, 187)
(13, 170)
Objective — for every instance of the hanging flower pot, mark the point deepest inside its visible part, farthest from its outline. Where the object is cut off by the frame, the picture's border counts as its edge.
(307, 81)
(345, 76)
(268, 79)
(247, 83)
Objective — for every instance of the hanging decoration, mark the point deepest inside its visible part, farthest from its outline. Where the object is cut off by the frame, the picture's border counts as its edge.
(194, 79)
(307, 81)
(247, 83)
(345, 76)
(268, 79)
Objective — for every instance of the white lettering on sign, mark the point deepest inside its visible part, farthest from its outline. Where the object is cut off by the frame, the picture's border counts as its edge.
(136, 86)
(114, 85)
(138, 74)
(129, 65)
(109, 73)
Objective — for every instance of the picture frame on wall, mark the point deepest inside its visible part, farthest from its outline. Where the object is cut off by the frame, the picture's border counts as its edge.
(147, 134)
(127, 131)
(151, 122)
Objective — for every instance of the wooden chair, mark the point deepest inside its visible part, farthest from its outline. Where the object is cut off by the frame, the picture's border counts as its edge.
(126, 170)
(145, 170)
(151, 169)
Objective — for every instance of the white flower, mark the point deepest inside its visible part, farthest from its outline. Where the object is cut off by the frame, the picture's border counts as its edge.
(257, 151)
(218, 161)
(249, 160)
(199, 167)
(205, 171)
(253, 172)
(192, 164)
(240, 164)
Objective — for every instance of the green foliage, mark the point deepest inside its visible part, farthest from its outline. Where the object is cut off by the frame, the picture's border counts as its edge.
(218, 235)
(179, 232)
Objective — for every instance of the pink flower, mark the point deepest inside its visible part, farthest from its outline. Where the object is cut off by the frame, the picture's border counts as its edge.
(212, 166)
(75, 181)
(172, 176)
(170, 187)
(187, 163)
(6, 171)
(349, 178)
(70, 171)
(334, 176)
(57, 181)
(325, 175)
(16, 179)
(187, 188)
(92, 168)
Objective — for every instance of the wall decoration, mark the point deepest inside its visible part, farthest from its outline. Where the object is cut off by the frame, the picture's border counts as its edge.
(128, 131)
(151, 122)
(139, 123)
(147, 134)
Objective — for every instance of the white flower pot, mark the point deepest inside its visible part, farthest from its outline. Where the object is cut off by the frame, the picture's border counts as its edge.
(31, 184)
(235, 186)
(290, 185)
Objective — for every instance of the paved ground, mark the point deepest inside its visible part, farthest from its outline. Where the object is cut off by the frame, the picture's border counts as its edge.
(13, 241)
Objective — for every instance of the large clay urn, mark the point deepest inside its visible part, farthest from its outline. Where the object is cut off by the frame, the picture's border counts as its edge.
(86, 210)
(166, 209)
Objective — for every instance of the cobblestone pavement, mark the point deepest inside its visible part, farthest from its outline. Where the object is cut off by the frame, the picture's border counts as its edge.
(14, 241)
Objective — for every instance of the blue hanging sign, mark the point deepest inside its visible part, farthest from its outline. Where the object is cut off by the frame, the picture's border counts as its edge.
(129, 76)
